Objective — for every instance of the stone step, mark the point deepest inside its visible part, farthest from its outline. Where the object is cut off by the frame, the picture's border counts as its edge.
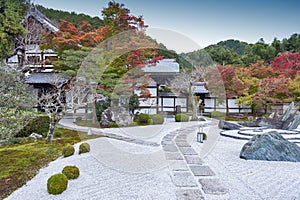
(212, 186)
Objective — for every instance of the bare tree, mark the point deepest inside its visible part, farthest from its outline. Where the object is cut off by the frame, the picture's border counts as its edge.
(80, 94)
(29, 41)
(52, 102)
(184, 82)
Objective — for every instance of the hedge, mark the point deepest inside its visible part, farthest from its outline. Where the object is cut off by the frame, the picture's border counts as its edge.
(39, 124)
(181, 118)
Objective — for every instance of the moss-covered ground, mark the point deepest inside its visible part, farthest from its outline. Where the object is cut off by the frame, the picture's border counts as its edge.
(21, 162)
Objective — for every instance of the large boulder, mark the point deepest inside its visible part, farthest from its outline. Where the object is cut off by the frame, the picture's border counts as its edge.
(270, 146)
(107, 117)
(226, 125)
(122, 116)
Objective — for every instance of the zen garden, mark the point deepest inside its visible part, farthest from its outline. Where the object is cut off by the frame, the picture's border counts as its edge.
(96, 108)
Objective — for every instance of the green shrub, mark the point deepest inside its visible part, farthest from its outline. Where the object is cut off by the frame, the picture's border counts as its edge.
(113, 125)
(13, 140)
(71, 172)
(143, 118)
(181, 118)
(216, 114)
(150, 121)
(68, 151)
(204, 136)
(157, 119)
(57, 183)
(78, 119)
(136, 117)
(39, 124)
(84, 147)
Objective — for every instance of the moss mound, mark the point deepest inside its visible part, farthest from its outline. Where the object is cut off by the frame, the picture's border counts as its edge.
(84, 147)
(68, 151)
(57, 183)
(181, 118)
(71, 172)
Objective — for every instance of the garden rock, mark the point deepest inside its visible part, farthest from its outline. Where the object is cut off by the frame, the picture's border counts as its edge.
(229, 125)
(35, 136)
(107, 117)
(270, 146)
(122, 116)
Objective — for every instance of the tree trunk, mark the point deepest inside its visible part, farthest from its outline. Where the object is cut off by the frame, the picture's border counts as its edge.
(51, 130)
(227, 107)
(195, 109)
(94, 110)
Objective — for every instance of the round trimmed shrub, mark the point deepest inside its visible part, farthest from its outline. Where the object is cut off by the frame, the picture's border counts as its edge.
(157, 119)
(84, 147)
(143, 118)
(57, 183)
(181, 118)
(68, 151)
(71, 172)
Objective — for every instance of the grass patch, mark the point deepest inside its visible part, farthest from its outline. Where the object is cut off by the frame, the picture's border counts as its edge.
(20, 162)
(87, 123)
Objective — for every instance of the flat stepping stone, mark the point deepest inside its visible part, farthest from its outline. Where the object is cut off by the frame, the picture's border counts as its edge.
(181, 137)
(191, 159)
(163, 143)
(169, 137)
(173, 156)
(189, 194)
(178, 165)
(212, 186)
(180, 140)
(170, 148)
(183, 144)
(187, 151)
(184, 179)
(200, 170)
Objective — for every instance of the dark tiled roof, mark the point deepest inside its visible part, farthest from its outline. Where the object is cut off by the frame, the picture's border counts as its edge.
(47, 23)
(43, 78)
(199, 88)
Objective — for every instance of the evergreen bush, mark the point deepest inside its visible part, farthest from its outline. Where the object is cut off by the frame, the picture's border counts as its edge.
(181, 118)
(144, 118)
(39, 124)
(157, 119)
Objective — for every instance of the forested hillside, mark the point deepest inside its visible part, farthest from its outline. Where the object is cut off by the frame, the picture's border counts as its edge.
(74, 18)
(243, 54)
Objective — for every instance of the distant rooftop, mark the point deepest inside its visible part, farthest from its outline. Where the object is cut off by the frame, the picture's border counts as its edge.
(165, 65)
(199, 88)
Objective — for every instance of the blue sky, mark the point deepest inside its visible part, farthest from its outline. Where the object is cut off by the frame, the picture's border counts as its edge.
(193, 24)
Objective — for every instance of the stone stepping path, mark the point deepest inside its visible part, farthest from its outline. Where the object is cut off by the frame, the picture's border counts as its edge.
(192, 178)
(131, 140)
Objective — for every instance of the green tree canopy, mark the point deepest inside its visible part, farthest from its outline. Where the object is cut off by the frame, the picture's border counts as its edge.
(12, 13)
